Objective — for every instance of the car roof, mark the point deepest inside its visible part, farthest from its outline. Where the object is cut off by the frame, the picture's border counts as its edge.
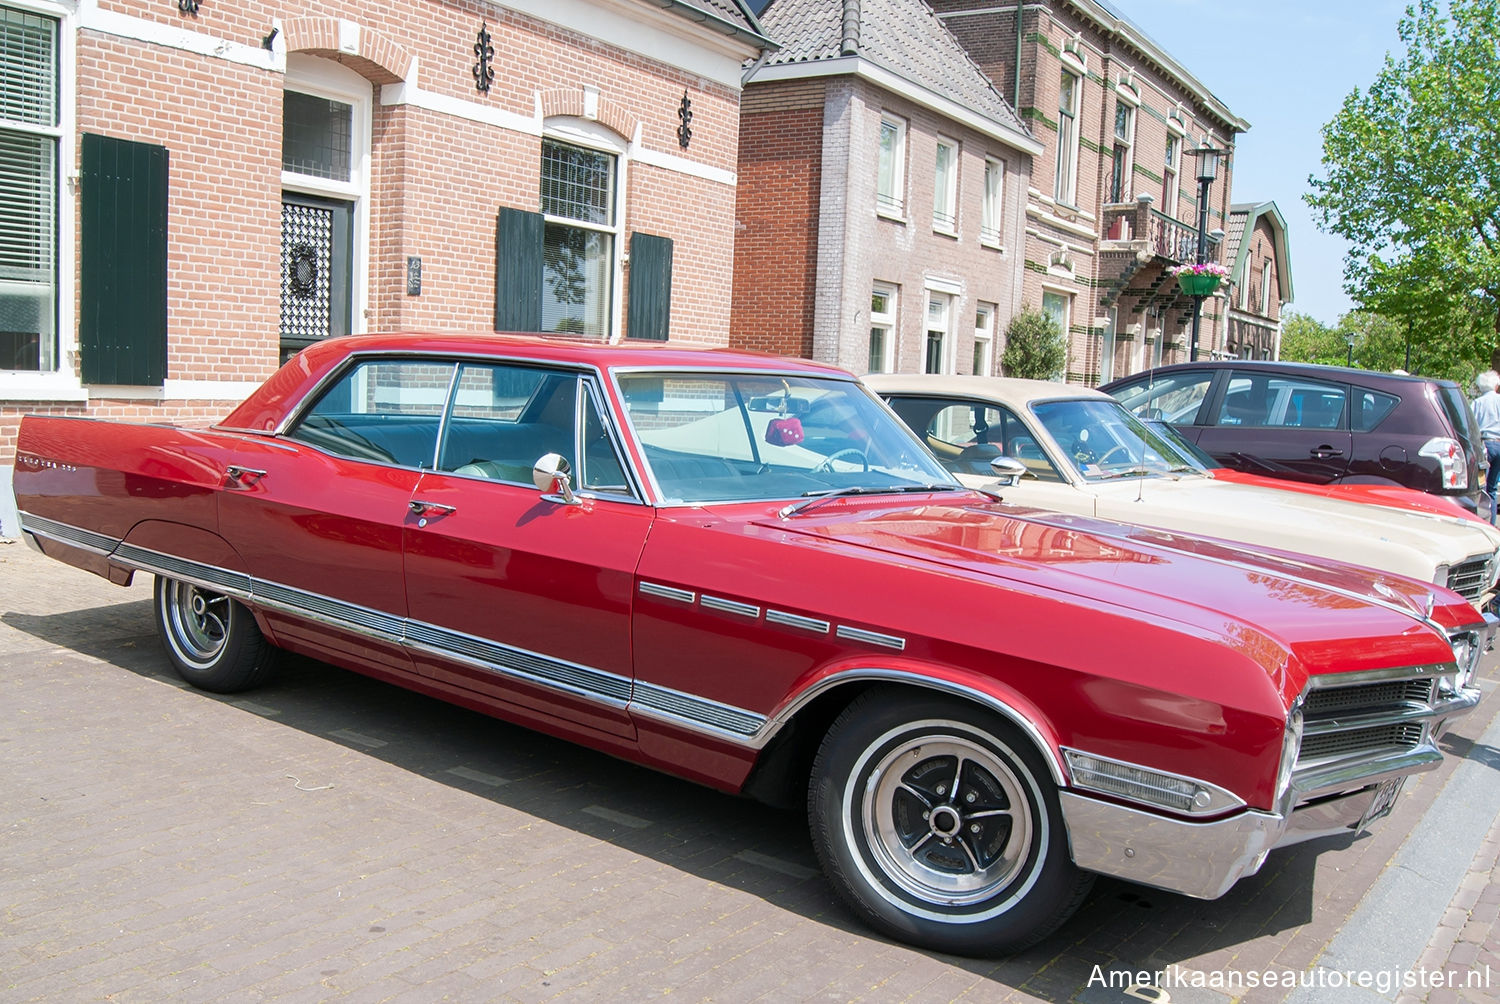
(1008, 390)
(565, 349)
(1351, 374)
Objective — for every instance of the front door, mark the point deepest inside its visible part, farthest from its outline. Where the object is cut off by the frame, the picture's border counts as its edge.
(515, 597)
(317, 236)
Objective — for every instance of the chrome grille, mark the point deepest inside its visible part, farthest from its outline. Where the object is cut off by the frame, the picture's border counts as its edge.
(1332, 700)
(1469, 578)
(1398, 735)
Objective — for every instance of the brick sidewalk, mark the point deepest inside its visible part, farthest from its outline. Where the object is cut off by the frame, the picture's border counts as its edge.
(331, 837)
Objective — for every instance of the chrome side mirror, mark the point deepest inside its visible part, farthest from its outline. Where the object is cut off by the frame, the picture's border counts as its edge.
(553, 478)
(1008, 470)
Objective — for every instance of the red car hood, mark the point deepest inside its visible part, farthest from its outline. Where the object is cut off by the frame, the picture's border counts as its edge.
(1319, 609)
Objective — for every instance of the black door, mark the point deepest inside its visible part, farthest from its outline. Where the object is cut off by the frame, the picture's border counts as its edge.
(317, 238)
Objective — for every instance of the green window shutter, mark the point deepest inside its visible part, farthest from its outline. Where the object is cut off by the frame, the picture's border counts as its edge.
(122, 325)
(650, 287)
(518, 271)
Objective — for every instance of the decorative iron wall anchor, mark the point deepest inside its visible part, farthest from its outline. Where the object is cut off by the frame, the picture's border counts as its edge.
(188, 6)
(484, 73)
(685, 112)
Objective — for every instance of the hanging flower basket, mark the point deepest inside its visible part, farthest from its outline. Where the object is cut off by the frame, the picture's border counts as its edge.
(1199, 280)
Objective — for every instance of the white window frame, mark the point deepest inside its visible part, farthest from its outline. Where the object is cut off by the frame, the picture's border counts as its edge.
(590, 135)
(884, 322)
(1128, 102)
(1065, 184)
(1066, 321)
(1107, 346)
(944, 330)
(326, 79)
(984, 338)
(1265, 287)
(890, 199)
(992, 216)
(60, 382)
(1169, 172)
(945, 187)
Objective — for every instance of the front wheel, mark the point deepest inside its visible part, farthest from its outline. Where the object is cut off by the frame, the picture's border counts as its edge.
(938, 823)
(213, 641)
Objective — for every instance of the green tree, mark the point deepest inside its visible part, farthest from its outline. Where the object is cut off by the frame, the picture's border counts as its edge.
(1412, 181)
(1305, 340)
(1034, 347)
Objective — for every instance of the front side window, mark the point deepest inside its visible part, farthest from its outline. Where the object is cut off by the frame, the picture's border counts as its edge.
(945, 188)
(1167, 397)
(580, 237)
(30, 133)
(890, 176)
(714, 437)
(994, 191)
(1065, 186)
(882, 328)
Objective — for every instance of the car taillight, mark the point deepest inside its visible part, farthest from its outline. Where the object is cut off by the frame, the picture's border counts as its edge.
(1452, 461)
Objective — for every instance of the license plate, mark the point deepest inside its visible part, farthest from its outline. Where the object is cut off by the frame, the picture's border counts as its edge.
(1384, 800)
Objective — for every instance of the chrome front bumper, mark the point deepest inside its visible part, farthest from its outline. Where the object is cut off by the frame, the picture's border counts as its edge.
(1204, 859)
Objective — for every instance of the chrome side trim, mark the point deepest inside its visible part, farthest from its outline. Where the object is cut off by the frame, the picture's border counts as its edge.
(797, 621)
(729, 606)
(65, 534)
(695, 712)
(668, 592)
(508, 660)
(236, 584)
(871, 637)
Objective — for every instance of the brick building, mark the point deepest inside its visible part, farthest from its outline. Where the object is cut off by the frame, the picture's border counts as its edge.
(1113, 199)
(882, 191)
(191, 189)
(1260, 280)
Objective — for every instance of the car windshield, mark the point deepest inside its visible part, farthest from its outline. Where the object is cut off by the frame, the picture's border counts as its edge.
(715, 437)
(1103, 441)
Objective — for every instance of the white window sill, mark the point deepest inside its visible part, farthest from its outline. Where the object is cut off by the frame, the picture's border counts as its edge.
(992, 245)
(945, 232)
(893, 216)
(18, 386)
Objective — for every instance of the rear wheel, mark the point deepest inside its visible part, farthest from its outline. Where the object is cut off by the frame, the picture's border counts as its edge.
(938, 823)
(212, 640)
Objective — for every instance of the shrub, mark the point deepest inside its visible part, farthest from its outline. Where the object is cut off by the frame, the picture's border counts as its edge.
(1034, 347)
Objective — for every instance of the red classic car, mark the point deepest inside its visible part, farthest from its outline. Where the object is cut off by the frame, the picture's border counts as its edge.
(748, 572)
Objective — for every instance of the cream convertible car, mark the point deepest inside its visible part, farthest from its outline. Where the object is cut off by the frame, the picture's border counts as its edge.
(1079, 451)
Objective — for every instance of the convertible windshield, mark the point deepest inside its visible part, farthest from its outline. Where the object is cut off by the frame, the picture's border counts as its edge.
(1104, 441)
(715, 437)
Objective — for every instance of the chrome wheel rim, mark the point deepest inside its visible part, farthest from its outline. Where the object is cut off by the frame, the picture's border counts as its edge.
(198, 622)
(947, 819)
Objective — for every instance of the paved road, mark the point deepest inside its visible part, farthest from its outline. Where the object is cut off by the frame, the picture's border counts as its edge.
(330, 837)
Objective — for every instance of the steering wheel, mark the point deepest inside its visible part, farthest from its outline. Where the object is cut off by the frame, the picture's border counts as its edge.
(849, 451)
(1118, 448)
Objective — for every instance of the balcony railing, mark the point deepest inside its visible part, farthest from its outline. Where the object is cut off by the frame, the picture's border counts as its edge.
(1161, 234)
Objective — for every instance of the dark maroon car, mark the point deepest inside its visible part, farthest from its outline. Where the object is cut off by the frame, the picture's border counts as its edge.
(1318, 424)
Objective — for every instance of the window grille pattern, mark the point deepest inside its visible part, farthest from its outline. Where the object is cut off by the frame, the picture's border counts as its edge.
(306, 259)
(577, 183)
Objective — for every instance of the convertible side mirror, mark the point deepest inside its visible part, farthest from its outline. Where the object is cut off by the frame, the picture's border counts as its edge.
(1008, 470)
(553, 478)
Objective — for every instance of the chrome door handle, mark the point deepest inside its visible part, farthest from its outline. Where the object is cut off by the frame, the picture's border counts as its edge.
(243, 476)
(420, 508)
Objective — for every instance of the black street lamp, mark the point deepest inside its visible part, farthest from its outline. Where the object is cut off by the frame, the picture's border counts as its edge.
(1208, 169)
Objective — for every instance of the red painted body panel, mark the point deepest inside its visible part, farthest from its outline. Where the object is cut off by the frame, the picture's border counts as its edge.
(1127, 642)
(1393, 496)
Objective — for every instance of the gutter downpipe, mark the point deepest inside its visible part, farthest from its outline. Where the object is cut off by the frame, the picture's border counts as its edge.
(1016, 89)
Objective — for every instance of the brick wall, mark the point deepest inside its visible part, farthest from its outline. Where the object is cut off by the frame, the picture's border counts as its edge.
(436, 181)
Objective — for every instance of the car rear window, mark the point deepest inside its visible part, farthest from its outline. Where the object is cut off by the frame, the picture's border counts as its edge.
(1457, 410)
(1371, 407)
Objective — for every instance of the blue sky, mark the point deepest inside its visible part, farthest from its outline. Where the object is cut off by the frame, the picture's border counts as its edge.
(1285, 66)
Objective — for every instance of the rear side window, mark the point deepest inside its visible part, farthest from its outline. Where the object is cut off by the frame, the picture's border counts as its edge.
(1166, 397)
(1262, 401)
(1457, 410)
(1370, 409)
(384, 411)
